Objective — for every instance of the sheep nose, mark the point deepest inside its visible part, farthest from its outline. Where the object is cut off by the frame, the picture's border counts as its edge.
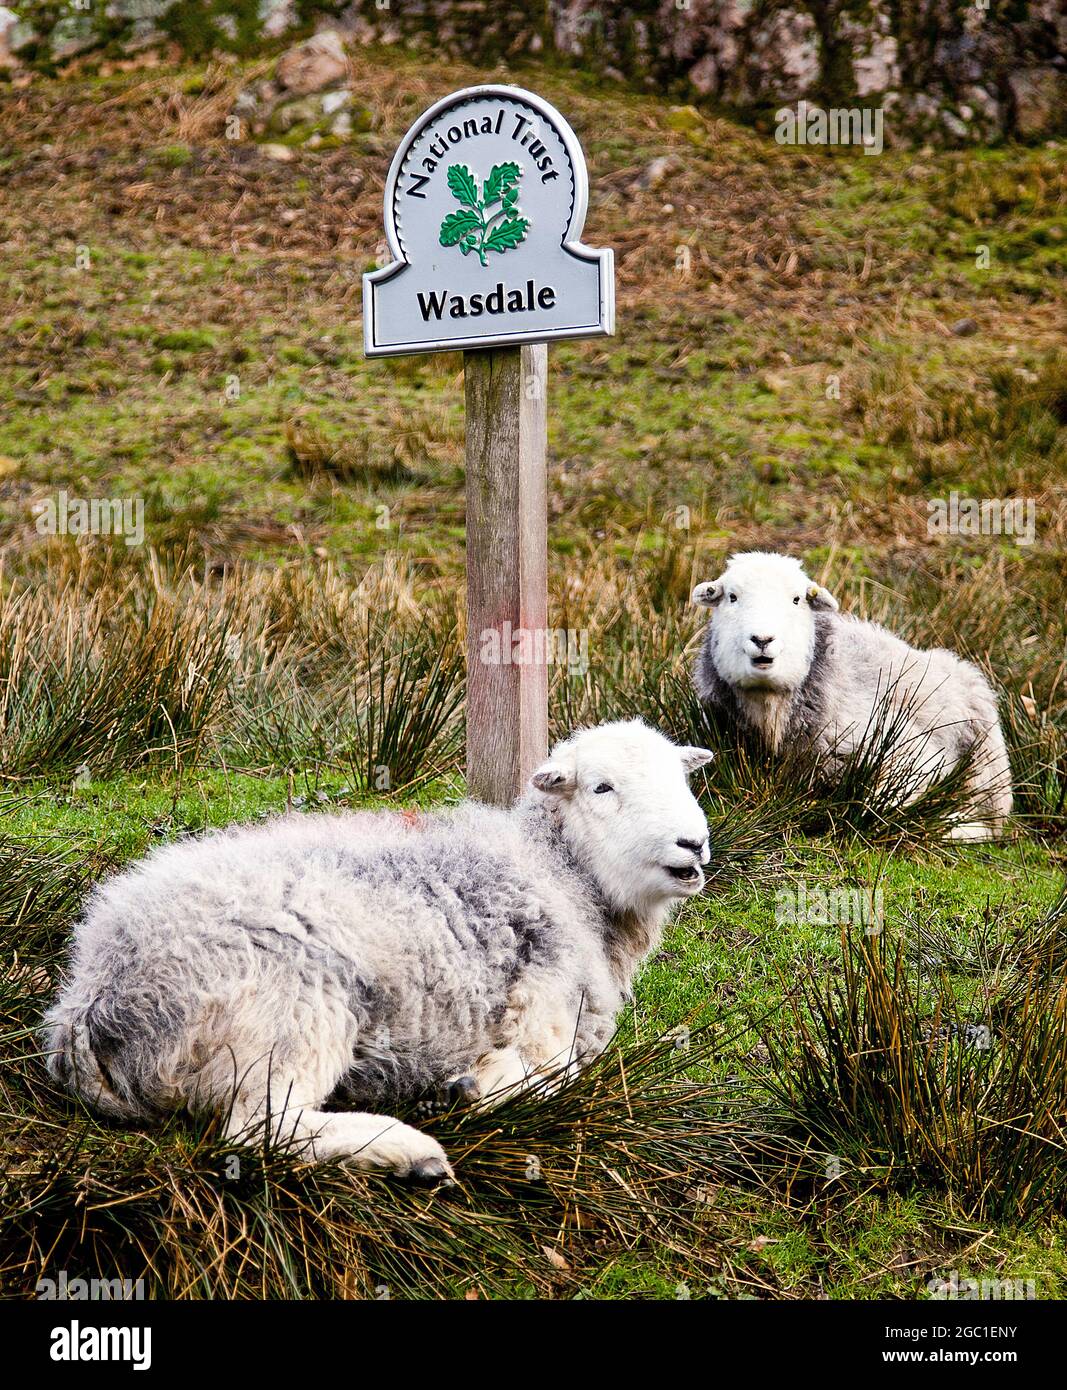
(761, 642)
(695, 846)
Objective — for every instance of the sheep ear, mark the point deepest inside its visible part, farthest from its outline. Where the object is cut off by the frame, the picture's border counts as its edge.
(821, 598)
(692, 758)
(708, 594)
(554, 779)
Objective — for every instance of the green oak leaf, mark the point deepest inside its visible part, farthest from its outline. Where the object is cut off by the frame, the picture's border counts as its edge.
(507, 234)
(463, 185)
(501, 178)
(457, 225)
(475, 228)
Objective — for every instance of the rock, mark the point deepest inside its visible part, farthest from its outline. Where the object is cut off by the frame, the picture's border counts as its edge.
(245, 104)
(71, 35)
(959, 57)
(277, 16)
(657, 171)
(9, 21)
(308, 119)
(144, 15)
(313, 66)
(268, 107)
(290, 114)
(282, 153)
(877, 69)
(137, 9)
(684, 118)
(964, 328)
(704, 75)
(955, 127)
(921, 112)
(1039, 99)
(985, 104)
(795, 38)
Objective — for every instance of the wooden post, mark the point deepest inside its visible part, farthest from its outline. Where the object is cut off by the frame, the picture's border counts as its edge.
(507, 581)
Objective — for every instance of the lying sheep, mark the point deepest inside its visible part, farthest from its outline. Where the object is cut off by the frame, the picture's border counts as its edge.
(779, 656)
(367, 958)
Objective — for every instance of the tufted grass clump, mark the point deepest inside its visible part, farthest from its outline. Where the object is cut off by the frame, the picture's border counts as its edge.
(106, 668)
(110, 665)
(919, 1064)
(619, 1159)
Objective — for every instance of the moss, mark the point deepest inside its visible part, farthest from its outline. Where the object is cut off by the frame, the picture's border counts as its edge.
(173, 156)
(186, 340)
(195, 25)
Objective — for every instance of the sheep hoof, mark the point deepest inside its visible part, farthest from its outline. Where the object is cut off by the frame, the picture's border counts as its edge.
(460, 1091)
(463, 1090)
(431, 1172)
(970, 831)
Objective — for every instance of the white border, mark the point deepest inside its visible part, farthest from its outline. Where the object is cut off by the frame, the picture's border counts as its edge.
(605, 325)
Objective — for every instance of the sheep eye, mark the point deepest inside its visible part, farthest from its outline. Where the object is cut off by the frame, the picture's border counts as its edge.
(797, 599)
(604, 787)
(733, 598)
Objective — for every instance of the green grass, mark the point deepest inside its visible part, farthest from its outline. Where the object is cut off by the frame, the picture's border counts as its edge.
(713, 395)
(727, 962)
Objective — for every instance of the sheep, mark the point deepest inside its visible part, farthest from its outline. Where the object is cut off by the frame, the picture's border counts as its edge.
(779, 656)
(367, 958)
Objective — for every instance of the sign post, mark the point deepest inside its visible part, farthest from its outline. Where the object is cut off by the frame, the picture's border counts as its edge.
(507, 557)
(484, 206)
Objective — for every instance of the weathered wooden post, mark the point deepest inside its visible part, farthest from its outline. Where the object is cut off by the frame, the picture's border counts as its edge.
(507, 558)
(484, 206)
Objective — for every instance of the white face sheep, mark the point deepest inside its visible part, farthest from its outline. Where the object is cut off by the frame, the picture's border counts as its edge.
(763, 635)
(778, 656)
(367, 958)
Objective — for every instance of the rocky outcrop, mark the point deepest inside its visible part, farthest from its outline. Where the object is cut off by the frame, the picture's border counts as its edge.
(946, 70)
(1038, 99)
(308, 100)
(16, 36)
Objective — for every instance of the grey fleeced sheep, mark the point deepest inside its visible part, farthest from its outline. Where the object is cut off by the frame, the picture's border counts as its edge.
(779, 657)
(366, 957)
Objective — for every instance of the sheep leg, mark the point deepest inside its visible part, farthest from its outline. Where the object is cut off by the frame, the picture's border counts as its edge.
(972, 831)
(461, 1091)
(371, 1143)
(498, 1075)
(504, 1073)
(990, 789)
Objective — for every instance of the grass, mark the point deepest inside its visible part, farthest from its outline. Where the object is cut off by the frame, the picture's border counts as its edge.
(784, 356)
(179, 322)
(746, 1207)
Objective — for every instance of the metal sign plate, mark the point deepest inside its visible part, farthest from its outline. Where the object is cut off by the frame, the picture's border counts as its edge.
(484, 206)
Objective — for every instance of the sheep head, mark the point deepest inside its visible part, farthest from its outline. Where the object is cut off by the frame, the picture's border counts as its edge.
(762, 631)
(620, 795)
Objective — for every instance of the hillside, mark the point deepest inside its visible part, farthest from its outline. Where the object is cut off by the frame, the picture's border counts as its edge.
(816, 348)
